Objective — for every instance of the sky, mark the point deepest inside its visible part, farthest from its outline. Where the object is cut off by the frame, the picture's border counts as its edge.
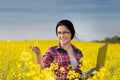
(37, 19)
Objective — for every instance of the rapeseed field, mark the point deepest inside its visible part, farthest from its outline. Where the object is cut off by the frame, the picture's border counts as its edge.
(18, 62)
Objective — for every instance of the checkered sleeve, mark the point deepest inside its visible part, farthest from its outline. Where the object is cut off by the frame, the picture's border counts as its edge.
(48, 57)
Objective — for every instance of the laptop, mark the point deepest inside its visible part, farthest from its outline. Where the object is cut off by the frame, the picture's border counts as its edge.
(100, 60)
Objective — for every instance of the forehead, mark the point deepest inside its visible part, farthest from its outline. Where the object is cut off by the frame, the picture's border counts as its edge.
(62, 28)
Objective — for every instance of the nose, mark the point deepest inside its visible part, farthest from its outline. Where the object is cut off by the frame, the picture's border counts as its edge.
(62, 35)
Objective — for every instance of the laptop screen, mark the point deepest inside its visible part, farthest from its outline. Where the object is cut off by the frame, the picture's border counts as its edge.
(101, 56)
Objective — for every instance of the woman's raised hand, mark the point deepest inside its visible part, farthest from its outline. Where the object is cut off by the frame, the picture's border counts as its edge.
(35, 49)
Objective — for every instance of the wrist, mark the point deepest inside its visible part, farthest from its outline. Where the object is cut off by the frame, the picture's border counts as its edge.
(37, 52)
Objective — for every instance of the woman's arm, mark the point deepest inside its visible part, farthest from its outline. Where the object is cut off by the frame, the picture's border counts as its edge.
(39, 60)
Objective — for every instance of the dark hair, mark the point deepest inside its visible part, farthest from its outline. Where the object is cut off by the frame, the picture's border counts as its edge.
(68, 24)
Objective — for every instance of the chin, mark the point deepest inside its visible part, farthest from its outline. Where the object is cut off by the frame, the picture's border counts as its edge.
(64, 42)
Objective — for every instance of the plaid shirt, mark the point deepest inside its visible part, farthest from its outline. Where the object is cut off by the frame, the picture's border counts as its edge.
(58, 54)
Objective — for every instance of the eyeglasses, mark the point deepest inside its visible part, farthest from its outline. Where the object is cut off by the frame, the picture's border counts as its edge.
(64, 32)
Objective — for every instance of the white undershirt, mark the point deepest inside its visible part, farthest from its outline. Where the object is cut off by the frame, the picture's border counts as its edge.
(74, 63)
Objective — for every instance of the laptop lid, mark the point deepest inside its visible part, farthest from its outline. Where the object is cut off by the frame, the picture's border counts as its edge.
(101, 56)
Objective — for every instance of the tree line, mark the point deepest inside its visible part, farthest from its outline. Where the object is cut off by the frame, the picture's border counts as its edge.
(114, 39)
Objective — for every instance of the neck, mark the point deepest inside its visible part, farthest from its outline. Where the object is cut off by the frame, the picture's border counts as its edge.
(66, 46)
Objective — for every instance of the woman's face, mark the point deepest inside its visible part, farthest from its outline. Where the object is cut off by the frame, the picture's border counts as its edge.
(64, 34)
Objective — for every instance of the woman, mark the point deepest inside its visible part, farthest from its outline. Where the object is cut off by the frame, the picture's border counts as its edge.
(64, 53)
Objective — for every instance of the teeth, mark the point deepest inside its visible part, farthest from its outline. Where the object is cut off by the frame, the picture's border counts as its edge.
(62, 40)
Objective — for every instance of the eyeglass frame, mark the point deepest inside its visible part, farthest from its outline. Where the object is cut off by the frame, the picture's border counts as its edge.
(64, 33)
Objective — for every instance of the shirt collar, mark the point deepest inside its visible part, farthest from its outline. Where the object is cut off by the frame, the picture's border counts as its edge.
(59, 47)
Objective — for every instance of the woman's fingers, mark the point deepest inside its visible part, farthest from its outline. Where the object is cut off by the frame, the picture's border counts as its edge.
(35, 49)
